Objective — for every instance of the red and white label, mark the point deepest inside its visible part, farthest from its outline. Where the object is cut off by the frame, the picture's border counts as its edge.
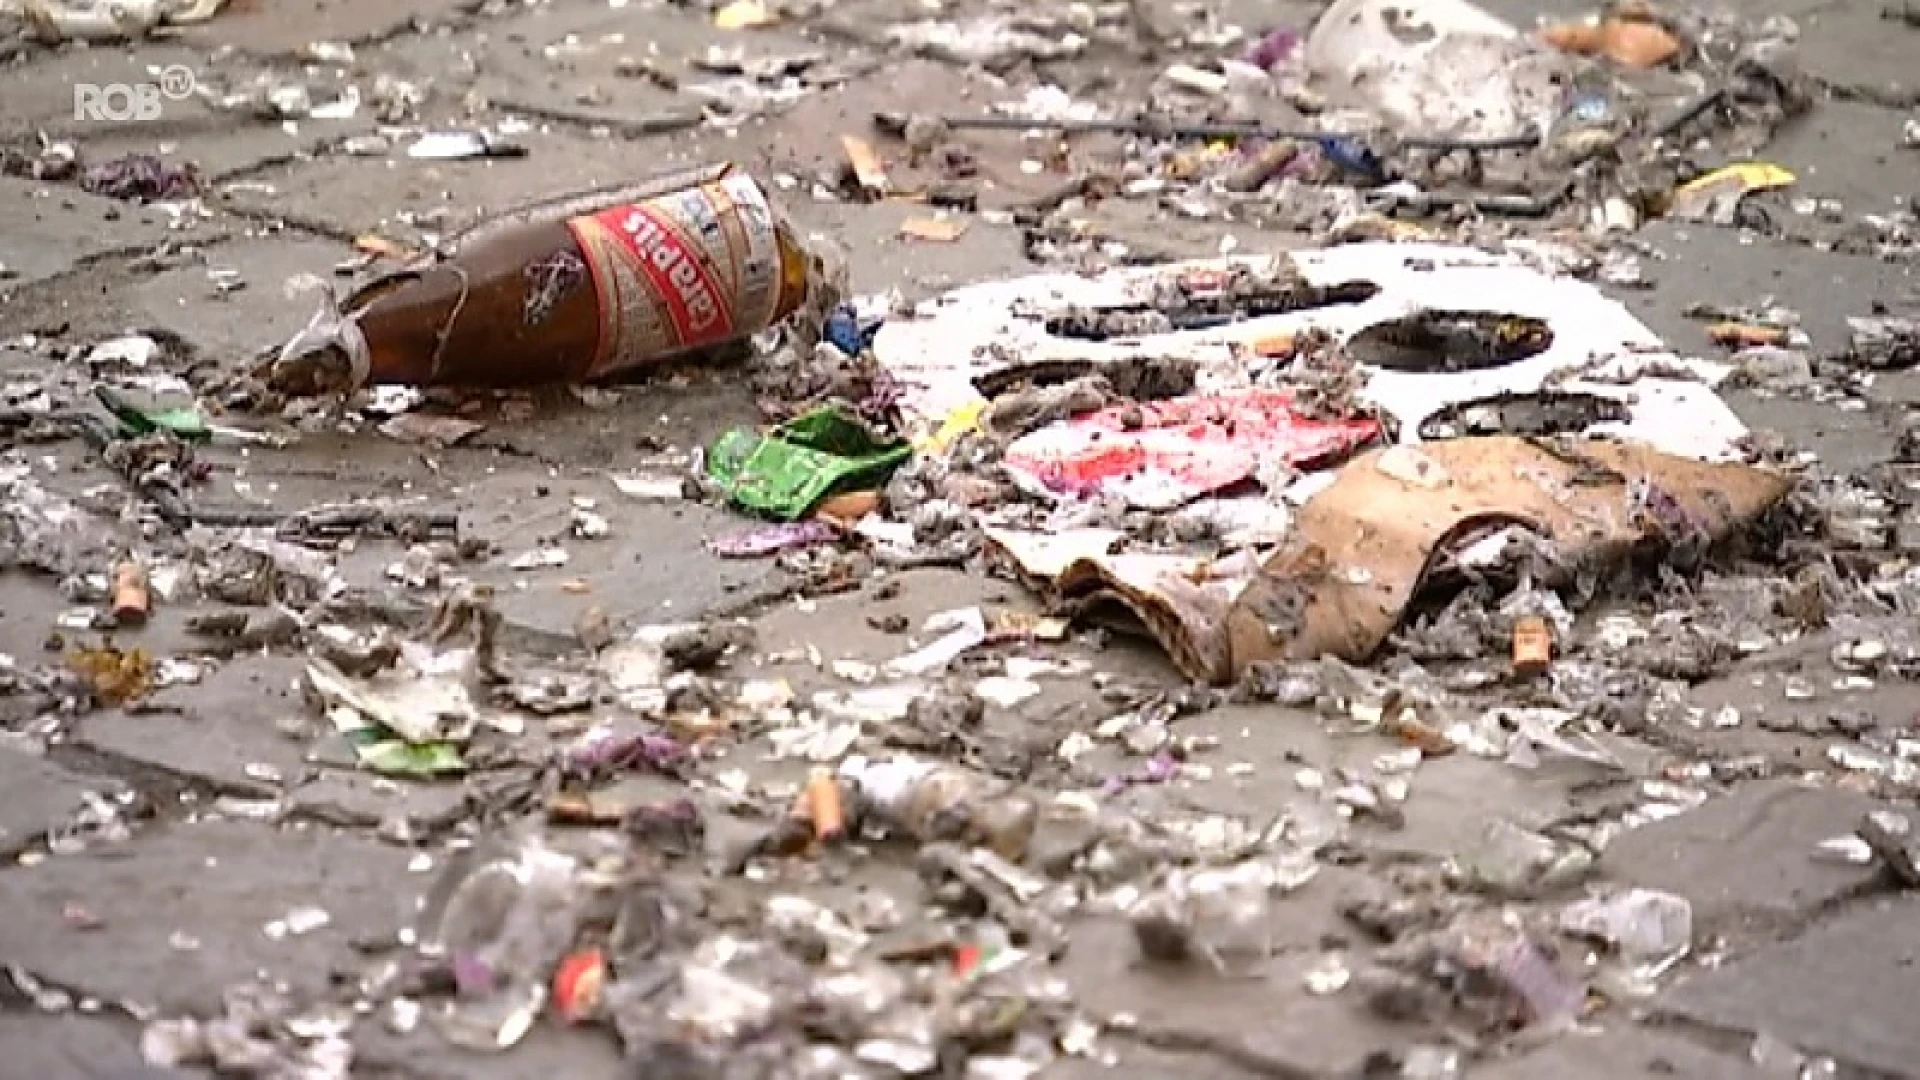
(683, 270)
(694, 300)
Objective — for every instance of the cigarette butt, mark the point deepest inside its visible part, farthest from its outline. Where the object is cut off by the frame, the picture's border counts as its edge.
(1742, 335)
(1532, 645)
(1583, 39)
(578, 808)
(380, 247)
(824, 808)
(850, 506)
(936, 230)
(865, 161)
(1638, 44)
(1261, 166)
(1277, 347)
(1418, 733)
(131, 600)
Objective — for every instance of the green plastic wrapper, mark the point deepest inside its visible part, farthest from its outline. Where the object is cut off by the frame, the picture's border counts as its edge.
(788, 471)
(384, 751)
(137, 418)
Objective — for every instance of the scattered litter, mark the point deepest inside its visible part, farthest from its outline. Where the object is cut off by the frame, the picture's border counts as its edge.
(1633, 42)
(934, 230)
(430, 429)
(1363, 546)
(1422, 500)
(1643, 925)
(959, 630)
(1420, 68)
(743, 15)
(540, 558)
(114, 677)
(1716, 196)
(453, 145)
(146, 177)
(937, 803)
(771, 540)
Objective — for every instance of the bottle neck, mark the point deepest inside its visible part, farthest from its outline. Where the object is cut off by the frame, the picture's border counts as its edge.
(330, 332)
(795, 272)
(406, 324)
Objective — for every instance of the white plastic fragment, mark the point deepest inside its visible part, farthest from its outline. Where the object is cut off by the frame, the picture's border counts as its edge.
(1598, 346)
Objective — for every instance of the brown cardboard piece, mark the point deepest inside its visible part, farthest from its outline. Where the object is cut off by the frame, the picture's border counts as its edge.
(1183, 600)
(1360, 549)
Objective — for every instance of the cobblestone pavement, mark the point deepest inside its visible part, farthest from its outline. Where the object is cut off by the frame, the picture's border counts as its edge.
(1790, 949)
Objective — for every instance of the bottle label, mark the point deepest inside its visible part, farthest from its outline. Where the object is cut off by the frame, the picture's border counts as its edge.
(685, 269)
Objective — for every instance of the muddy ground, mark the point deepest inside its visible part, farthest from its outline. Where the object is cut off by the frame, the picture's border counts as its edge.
(230, 805)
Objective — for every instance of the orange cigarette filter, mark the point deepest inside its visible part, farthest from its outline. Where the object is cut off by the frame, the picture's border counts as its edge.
(824, 806)
(1277, 347)
(131, 599)
(850, 506)
(1743, 335)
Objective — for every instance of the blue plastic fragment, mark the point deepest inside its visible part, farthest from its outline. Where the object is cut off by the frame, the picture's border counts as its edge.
(842, 331)
(1352, 156)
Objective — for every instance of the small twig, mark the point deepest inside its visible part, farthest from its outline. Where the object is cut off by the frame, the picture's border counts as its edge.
(1887, 96)
(320, 521)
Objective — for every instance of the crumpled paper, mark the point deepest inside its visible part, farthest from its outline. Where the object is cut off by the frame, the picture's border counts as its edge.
(422, 704)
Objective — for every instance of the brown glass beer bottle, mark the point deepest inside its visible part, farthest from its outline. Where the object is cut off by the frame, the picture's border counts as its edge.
(566, 291)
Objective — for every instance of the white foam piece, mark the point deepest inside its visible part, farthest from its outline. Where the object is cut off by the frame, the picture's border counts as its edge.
(978, 329)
